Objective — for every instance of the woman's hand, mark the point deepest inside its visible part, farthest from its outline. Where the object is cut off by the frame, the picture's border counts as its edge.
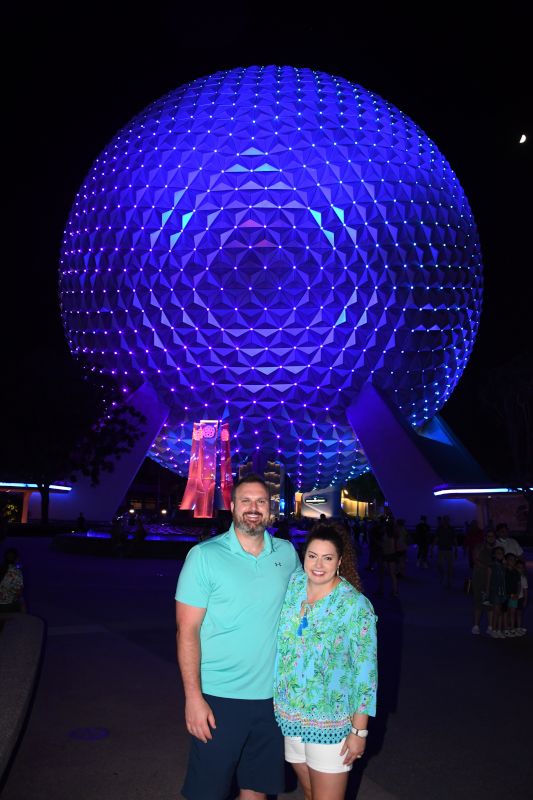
(353, 748)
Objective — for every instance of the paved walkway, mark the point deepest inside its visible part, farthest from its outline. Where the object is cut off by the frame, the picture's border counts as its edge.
(107, 718)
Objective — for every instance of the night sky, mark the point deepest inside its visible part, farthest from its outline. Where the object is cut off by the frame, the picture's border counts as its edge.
(464, 81)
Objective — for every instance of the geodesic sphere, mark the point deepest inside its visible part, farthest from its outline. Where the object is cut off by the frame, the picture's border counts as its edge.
(259, 243)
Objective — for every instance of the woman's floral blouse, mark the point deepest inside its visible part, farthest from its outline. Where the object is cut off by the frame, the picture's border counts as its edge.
(327, 671)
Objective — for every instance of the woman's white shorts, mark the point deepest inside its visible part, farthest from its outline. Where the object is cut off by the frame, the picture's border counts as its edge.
(322, 757)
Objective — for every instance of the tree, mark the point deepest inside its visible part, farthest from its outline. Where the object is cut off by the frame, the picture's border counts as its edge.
(63, 418)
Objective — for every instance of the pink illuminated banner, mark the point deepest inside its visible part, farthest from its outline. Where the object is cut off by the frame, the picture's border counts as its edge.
(208, 470)
(226, 477)
(200, 490)
(189, 496)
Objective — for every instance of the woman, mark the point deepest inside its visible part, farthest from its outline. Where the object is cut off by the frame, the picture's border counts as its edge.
(326, 671)
(401, 537)
(482, 560)
(497, 596)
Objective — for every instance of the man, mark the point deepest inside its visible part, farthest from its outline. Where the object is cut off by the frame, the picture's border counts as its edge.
(446, 542)
(482, 558)
(473, 537)
(422, 532)
(229, 596)
(509, 544)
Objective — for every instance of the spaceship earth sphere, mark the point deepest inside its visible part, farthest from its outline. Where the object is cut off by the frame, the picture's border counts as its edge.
(258, 244)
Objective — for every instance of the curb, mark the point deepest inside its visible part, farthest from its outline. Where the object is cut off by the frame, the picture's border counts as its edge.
(21, 645)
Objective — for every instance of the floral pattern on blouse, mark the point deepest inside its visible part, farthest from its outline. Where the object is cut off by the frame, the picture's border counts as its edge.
(328, 672)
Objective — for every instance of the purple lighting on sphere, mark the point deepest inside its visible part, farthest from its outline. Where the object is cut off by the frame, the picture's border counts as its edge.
(260, 243)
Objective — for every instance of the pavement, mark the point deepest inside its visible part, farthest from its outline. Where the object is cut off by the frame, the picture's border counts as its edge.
(22, 640)
(104, 706)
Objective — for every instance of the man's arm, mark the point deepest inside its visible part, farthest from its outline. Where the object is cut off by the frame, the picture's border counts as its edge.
(199, 718)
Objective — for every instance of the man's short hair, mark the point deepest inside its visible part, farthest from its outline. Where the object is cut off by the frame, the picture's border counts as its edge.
(250, 478)
(501, 526)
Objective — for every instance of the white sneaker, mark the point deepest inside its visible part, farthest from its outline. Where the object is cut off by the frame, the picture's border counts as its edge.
(497, 635)
(489, 630)
(520, 632)
(475, 630)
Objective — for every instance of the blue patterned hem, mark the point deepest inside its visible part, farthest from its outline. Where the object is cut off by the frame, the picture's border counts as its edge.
(311, 733)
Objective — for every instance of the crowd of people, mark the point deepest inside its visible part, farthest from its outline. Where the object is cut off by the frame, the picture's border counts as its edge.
(499, 583)
(497, 579)
(388, 541)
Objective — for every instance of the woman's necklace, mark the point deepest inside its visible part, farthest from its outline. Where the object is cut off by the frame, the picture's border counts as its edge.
(304, 622)
(306, 608)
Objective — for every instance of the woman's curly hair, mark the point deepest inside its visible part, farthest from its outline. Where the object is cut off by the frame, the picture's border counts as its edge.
(337, 534)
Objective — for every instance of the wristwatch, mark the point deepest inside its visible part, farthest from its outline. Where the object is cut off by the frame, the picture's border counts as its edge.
(361, 732)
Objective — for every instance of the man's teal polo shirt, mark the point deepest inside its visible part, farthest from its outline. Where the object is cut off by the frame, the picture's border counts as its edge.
(242, 595)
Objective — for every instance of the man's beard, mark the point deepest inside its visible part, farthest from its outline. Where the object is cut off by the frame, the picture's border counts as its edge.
(250, 530)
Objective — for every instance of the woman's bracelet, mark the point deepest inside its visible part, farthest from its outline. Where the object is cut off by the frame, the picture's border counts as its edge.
(361, 732)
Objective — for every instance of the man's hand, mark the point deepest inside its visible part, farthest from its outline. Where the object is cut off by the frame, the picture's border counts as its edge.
(199, 718)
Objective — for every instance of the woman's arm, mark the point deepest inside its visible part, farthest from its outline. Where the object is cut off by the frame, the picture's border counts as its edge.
(363, 646)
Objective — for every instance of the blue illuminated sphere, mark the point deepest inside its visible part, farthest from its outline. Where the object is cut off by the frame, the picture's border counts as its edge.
(259, 243)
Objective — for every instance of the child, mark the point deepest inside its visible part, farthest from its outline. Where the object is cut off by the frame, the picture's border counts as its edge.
(522, 597)
(496, 584)
(512, 589)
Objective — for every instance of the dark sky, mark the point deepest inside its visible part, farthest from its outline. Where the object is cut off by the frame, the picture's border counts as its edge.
(463, 80)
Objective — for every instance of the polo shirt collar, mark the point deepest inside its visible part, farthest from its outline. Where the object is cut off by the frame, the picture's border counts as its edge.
(235, 545)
